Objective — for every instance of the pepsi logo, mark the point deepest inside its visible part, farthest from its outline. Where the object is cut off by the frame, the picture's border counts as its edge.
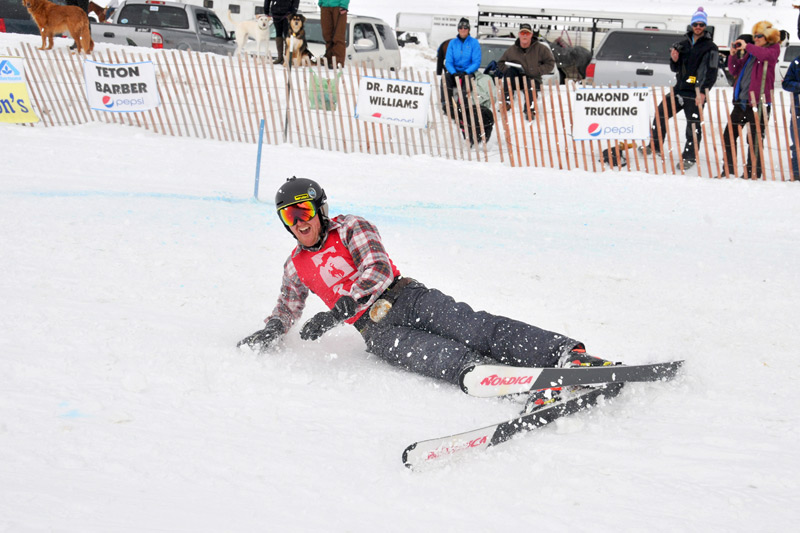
(108, 102)
(595, 129)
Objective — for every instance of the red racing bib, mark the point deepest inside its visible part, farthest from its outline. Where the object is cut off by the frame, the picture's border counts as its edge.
(330, 272)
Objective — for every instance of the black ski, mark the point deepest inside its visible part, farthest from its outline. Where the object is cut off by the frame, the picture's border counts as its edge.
(434, 452)
(486, 381)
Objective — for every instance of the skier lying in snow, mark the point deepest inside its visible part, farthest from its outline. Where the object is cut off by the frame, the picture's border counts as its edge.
(342, 260)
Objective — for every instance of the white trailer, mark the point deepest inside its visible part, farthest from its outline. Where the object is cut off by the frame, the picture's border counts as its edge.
(435, 28)
(588, 28)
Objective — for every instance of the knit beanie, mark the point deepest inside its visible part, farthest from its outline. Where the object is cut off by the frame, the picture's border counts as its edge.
(700, 16)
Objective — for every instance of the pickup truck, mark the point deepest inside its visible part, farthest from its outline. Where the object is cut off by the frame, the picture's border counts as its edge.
(165, 24)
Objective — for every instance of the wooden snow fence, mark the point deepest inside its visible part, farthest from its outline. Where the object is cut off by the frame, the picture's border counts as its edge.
(224, 98)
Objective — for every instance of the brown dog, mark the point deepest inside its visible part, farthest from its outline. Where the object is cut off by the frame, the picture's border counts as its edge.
(296, 45)
(52, 18)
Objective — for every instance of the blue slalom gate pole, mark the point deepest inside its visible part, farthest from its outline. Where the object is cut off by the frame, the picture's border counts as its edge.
(258, 161)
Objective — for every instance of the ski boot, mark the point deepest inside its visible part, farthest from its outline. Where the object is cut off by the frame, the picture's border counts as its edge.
(541, 397)
(578, 357)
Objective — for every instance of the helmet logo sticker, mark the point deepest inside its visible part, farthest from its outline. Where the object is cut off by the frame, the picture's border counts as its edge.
(312, 193)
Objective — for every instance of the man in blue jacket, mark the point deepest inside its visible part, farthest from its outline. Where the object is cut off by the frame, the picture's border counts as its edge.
(462, 60)
(463, 57)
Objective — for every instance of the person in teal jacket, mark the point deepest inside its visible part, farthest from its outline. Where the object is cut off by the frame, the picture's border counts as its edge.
(333, 19)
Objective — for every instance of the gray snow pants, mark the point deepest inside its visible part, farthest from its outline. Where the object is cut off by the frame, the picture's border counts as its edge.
(429, 333)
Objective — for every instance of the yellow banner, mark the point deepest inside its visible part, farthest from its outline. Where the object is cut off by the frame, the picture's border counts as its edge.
(15, 103)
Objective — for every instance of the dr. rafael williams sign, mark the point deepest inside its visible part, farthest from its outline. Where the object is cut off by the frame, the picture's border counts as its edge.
(397, 102)
(611, 114)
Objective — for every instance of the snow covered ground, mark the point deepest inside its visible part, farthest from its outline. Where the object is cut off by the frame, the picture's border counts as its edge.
(132, 264)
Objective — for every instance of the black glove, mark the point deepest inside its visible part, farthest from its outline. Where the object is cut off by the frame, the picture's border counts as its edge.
(264, 338)
(317, 325)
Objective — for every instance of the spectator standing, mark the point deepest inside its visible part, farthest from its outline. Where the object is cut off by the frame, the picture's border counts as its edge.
(280, 11)
(695, 62)
(333, 18)
(535, 60)
(753, 66)
(791, 83)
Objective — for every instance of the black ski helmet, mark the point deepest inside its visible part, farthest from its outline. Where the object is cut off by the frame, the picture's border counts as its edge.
(297, 190)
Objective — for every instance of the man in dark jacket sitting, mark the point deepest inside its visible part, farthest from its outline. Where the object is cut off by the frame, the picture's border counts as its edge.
(527, 60)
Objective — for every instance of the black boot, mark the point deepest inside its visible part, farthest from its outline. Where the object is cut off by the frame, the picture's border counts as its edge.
(279, 43)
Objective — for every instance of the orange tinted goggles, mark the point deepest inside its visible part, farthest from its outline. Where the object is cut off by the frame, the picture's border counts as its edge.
(292, 214)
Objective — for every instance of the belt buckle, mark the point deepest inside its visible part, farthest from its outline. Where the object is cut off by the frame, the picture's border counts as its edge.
(379, 310)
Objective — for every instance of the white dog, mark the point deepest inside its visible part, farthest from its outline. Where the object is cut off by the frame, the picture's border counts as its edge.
(257, 29)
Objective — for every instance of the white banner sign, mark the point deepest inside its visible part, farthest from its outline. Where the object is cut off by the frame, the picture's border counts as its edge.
(611, 114)
(121, 88)
(397, 102)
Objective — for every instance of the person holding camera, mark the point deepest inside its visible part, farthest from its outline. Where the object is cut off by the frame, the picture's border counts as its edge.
(753, 66)
(695, 61)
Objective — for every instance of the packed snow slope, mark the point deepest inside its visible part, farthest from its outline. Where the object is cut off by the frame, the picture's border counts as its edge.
(132, 264)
